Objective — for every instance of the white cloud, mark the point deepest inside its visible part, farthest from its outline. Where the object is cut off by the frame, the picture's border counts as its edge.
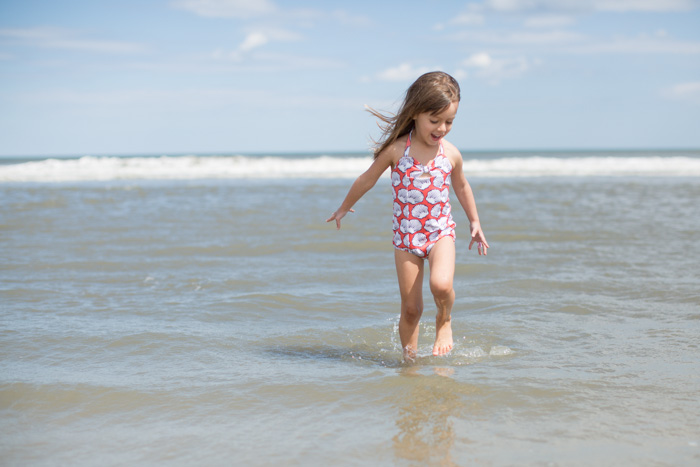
(519, 6)
(558, 41)
(514, 6)
(351, 19)
(403, 72)
(687, 92)
(541, 38)
(494, 70)
(479, 60)
(645, 5)
(460, 74)
(644, 44)
(56, 38)
(254, 40)
(519, 38)
(469, 19)
(193, 99)
(261, 61)
(548, 21)
(227, 8)
(286, 61)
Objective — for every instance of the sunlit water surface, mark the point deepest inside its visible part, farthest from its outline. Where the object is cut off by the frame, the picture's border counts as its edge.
(220, 322)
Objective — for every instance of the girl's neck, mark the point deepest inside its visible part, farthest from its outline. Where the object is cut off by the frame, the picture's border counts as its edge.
(421, 152)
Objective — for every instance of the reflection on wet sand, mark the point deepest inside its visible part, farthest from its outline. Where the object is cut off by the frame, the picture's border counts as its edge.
(426, 408)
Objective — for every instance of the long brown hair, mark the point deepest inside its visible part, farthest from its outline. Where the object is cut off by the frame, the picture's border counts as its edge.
(432, 92)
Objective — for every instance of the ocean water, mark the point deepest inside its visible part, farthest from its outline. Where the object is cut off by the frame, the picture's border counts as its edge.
(197, 310)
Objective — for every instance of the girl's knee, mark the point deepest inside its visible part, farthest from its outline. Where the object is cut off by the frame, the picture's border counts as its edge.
(411, 312)
(441, 288)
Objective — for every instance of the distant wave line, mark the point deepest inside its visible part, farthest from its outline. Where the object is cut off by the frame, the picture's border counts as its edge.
(327, 167)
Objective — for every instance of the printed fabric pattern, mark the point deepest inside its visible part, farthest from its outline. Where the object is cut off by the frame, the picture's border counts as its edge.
(422, 211)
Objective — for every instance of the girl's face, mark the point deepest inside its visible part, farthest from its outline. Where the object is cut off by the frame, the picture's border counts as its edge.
(431, 128)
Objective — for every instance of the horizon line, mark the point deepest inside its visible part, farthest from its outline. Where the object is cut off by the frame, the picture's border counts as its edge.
(330, 153)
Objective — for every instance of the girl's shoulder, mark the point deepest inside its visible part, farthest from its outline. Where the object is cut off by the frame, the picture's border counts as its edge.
(452, 153)
(395, 150)
(400, 144)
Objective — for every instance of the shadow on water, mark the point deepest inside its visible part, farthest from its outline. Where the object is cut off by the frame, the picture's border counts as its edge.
(354, 354)
(380, 345)
(387, 358)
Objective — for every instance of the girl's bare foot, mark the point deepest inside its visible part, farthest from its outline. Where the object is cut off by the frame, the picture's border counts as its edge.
(443, 338)
(409, 354)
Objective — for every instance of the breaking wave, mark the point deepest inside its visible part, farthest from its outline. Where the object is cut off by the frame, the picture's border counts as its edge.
(257, 167)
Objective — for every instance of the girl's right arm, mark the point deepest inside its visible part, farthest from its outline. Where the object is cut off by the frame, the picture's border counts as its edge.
(363, 184)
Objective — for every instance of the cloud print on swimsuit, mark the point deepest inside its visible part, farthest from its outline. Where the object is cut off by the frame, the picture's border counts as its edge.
(410, 226)
(419, 239)
(420, 183)
(409, 196)
(414, 196)
(420, 211)
(405, 163)
(431, 225)
(434, 196)
(438, 179)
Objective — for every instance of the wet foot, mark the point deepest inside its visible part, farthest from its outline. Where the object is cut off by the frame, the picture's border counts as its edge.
(443, 338)
(409, 354)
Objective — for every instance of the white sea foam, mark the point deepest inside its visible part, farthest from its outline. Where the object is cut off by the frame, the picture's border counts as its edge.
(473, 352)
(251, 167)
(181, 168)
(500, 351)
(583, 166)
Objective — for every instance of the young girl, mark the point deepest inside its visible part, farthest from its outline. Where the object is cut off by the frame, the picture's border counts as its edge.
(423, 165)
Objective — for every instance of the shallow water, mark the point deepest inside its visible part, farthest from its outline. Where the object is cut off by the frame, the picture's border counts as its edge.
(222, 321)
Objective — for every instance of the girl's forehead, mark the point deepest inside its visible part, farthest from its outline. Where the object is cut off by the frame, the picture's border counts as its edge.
(449, 111)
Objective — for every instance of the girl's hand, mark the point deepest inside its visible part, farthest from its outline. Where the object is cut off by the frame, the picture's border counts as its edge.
(479, 238)
(337, 215)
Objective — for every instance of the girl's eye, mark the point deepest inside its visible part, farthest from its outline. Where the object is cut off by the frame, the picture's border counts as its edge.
(433, 122)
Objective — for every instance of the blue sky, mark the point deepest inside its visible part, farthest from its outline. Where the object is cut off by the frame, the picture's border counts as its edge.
(98, 77)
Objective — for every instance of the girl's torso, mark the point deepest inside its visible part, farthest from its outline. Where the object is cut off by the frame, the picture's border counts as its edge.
(422, 212)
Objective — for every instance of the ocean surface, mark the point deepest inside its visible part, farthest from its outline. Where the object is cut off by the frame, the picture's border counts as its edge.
(198, 310)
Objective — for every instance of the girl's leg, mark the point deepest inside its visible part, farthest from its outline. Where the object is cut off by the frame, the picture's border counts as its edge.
(442, 271)
(409, 269)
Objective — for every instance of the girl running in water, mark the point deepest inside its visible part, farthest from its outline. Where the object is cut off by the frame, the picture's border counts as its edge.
(423, 167)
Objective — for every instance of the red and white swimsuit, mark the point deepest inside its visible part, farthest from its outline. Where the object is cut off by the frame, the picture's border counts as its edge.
(422, 211)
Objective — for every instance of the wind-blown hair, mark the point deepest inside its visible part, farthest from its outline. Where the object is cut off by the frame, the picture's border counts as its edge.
(432, 92)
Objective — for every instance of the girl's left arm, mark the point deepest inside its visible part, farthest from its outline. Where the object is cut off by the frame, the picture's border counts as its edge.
(464, 194)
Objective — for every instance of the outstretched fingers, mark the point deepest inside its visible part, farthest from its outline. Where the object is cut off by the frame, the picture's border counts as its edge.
(336, 216)
(479, 238)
